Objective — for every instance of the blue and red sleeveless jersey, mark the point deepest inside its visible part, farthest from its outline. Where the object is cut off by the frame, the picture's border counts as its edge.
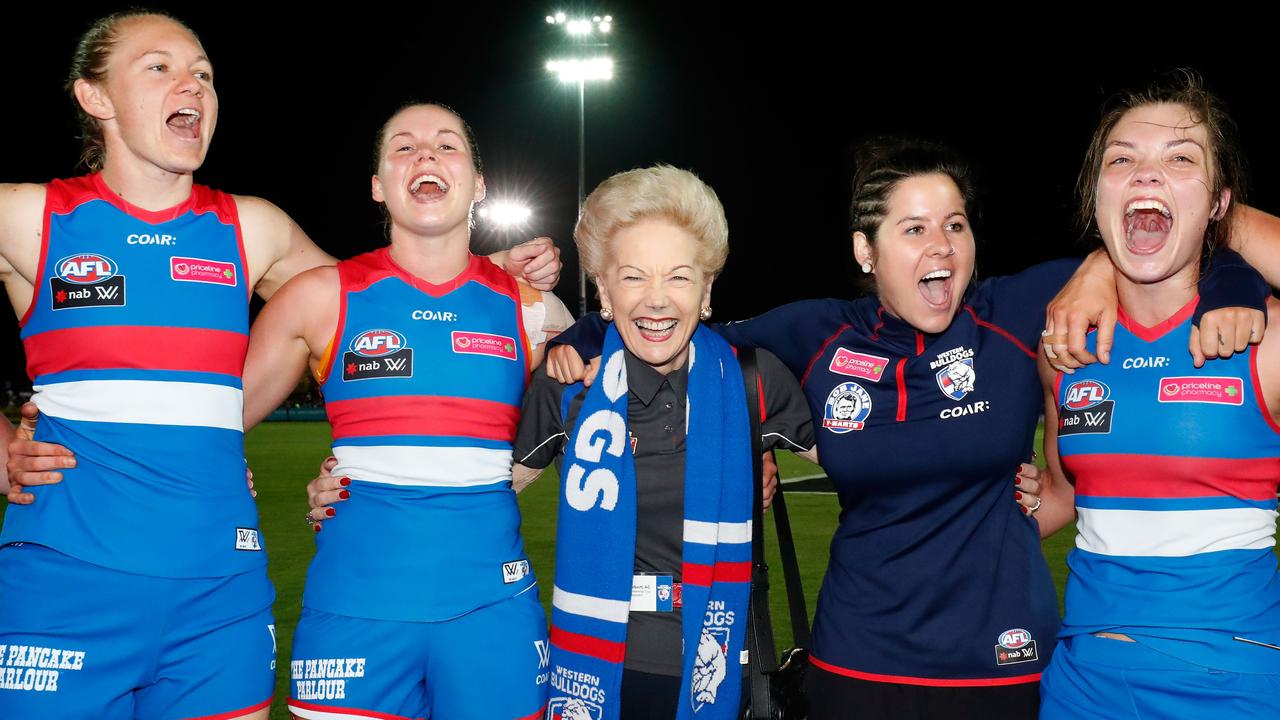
(1176, 471)
(936, 578)
(422, 386)
(135, 344)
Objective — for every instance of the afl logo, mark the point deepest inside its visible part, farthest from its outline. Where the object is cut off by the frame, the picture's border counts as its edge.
(1085, 394)
(86, 269)
(376, 343)
(1015, 638)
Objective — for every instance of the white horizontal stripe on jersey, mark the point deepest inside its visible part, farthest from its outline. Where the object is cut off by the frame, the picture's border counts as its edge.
(1174, 533)
(423, 466)
(143, 402)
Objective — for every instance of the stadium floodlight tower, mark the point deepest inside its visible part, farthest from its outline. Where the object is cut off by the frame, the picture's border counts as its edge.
(586, 60)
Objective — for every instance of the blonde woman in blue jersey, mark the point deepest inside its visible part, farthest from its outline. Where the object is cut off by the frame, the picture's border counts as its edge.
(420, 601)
(1173, 603)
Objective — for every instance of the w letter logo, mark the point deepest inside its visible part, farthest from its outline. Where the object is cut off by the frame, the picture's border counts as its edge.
(544, 653)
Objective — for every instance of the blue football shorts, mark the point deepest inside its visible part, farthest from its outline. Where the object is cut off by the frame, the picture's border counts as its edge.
(489, 664)
(1093, 678)
(82, 641)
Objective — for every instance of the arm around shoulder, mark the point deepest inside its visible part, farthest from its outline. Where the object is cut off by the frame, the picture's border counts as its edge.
(296, 325)
(275, 248)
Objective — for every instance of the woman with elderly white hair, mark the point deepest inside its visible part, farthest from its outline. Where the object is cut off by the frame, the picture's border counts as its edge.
(653, 548)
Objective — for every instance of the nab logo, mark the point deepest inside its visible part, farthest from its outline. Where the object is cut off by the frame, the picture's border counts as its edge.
(87, 280)
(376, 343)
(86, 269)
(1085, 394)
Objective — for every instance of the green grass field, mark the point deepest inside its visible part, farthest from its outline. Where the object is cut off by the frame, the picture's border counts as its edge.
(284, 456)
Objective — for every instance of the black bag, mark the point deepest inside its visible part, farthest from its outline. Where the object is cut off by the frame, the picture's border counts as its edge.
(777, 688)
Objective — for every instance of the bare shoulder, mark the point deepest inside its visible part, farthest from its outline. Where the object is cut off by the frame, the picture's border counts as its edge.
(259, 217)
(21, 222)
(313, 286)
(21, 208)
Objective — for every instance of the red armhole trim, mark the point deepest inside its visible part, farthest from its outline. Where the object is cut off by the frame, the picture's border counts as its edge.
(900, 373)
(804, 378)
(228, 204)
(38, 282)
(332, 351)
(1257, 390)
(1005, 333)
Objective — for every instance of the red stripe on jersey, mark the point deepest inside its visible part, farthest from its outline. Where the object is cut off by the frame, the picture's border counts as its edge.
(804, 378)
(536, 715)
(1158, 476)
(900, 373)
(136, 347)
(605, 650)
(236, 713)
(354, 713)
(930, 682)
(1003, 333)
(704, 575)
(423, 415)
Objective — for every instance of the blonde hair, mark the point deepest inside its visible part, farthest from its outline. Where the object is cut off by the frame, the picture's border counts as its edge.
(661, 192)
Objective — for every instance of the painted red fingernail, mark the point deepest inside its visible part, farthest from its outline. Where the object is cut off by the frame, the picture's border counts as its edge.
(328, 512)
(344, 494)
(1017, 480)
(1024, 510)
(316, 527)
(1017, 495)
(344, 481)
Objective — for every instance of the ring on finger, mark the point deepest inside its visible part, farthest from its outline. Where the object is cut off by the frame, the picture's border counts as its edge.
(1032, 510)
(310, 522)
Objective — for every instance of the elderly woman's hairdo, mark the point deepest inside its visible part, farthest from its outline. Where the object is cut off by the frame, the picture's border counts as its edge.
(661, 192)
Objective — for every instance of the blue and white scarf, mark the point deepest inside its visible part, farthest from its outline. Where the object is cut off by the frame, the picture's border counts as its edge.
(596, 535)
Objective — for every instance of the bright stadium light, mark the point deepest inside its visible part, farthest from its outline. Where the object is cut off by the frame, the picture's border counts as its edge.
(584, 61)
(576, 71)
(504, 214)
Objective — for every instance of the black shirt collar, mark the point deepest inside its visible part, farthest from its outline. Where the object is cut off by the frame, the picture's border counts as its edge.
(645, 382)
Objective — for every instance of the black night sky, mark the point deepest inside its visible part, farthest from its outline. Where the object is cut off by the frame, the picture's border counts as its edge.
(763, 104)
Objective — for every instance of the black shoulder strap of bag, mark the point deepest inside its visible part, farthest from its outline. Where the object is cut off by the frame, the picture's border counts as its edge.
(761, 655)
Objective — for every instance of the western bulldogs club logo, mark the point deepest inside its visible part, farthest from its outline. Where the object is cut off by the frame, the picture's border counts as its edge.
(573, 709)
(1086, 409)
(956, 379)
(847, 408)
(377, 354)
(87, 280)
(710, 666)
(1015, 646)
